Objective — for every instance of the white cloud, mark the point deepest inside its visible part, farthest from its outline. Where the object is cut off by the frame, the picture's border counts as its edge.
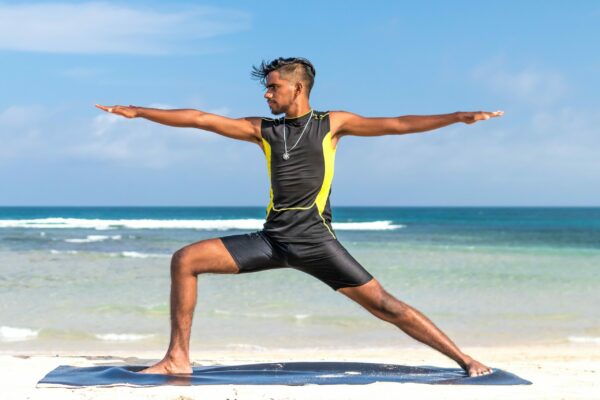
(101, 27)
(19, 130)
(534, 86)
(141, 142)
(39, 133)
(550, 146)
(19, 115)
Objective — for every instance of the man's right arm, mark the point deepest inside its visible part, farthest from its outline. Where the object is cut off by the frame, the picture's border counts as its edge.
(247, 129)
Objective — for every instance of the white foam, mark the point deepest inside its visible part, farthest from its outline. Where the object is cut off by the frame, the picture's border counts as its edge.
(260, 315)
(366, 226)
(63, 251)
(135, 254)
(301, 316)
(584, 339)
(198, 224)
(122, 337)
(103, 224)
(94, 238)
(9, 334)
(246, 346)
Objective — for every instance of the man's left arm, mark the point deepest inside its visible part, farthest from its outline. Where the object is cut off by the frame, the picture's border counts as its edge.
(346, 123)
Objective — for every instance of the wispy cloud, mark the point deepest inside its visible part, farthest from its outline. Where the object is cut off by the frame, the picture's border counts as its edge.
(543, 142)
(35, 132)
(530, 85)
(101, 27)
(20, 131)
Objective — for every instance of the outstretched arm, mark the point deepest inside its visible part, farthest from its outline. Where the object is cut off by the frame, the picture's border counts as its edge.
(346, 123)
(242, 128)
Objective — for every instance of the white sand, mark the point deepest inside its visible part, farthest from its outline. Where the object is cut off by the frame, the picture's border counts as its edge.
(557, 372)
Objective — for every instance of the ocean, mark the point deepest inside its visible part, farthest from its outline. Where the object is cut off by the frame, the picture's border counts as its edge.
(94, 278)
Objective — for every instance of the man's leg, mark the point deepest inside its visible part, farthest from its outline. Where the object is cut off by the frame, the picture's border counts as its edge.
(380, 303)
(206, 256)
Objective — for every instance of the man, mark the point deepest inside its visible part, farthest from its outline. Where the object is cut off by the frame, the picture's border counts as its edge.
(300, 150)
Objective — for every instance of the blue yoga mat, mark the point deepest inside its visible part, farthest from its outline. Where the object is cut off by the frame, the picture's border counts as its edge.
(288, 373)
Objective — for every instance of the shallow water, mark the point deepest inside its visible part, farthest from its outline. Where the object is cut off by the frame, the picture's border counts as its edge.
(81, 278)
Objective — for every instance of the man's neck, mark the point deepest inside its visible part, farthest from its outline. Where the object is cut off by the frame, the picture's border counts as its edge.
(297, 111)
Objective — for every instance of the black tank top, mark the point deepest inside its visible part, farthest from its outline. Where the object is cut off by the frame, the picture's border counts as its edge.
(298, 210)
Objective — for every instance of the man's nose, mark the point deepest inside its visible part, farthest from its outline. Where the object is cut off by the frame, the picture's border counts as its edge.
(268, 95)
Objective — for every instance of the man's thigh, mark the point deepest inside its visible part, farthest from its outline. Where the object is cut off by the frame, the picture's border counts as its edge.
(329, 262)
(256, 251)
(206, 256)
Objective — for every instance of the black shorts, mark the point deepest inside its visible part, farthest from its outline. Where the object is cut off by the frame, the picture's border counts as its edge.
(327, 261)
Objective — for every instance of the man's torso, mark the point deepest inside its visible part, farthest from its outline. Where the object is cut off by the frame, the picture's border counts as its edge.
(300, 186)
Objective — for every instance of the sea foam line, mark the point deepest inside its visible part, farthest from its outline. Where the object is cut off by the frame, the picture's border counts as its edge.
(122, 337)
(366, 226)
(103, 224)
(94, 238)
(53, 251)
(10, 334)
(198, 224)
(136, 254)
(584, 339)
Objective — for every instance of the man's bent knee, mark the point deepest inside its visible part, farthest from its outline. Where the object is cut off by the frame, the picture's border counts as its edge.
(180, 264)
(205, 256)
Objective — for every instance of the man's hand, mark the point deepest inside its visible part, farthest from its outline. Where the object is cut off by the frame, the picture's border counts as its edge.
(128, 112)
(474, 116)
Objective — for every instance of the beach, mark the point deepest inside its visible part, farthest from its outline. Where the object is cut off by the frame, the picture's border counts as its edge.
(516, 288)
(557, 372)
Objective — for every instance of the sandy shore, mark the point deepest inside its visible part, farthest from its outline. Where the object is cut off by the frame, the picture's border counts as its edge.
(557, 372)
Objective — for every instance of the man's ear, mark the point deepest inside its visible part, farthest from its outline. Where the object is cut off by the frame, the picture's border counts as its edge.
(299, 87)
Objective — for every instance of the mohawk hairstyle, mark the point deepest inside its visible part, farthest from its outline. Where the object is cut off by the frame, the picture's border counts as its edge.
(288, 66)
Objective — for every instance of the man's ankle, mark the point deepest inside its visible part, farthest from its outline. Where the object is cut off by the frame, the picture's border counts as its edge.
(177, 356)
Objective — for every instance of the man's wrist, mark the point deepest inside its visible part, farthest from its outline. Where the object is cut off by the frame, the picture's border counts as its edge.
(138, 111)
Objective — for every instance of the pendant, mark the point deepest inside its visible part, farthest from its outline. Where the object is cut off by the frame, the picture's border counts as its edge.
(286, 156)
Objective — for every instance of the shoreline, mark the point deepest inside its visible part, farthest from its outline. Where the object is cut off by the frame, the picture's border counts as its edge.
(558, 371)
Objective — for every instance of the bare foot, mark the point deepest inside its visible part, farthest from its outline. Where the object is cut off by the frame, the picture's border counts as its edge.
(168, 366)
(475, 368)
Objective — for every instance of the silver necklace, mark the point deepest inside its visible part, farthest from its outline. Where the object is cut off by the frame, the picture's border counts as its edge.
(286, 154)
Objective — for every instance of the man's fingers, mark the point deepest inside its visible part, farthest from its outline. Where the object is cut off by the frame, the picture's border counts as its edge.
(107, 109)
(474, 116)
(488, 115)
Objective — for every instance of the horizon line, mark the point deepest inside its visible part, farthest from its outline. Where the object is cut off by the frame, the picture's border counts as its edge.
(338, 206)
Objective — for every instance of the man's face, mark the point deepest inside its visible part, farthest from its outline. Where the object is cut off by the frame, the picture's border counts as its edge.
(279, 94)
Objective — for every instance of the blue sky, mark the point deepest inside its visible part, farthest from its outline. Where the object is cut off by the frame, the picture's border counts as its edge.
(539, 62)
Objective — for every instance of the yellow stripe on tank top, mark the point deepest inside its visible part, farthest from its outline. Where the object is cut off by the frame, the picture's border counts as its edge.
(321, 199)
(267, 148)
(329, 156)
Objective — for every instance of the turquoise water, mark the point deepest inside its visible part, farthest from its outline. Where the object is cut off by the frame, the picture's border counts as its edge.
(75, 278)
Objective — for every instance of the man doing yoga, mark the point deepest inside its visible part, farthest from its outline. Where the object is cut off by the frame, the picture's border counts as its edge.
(300, 150)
